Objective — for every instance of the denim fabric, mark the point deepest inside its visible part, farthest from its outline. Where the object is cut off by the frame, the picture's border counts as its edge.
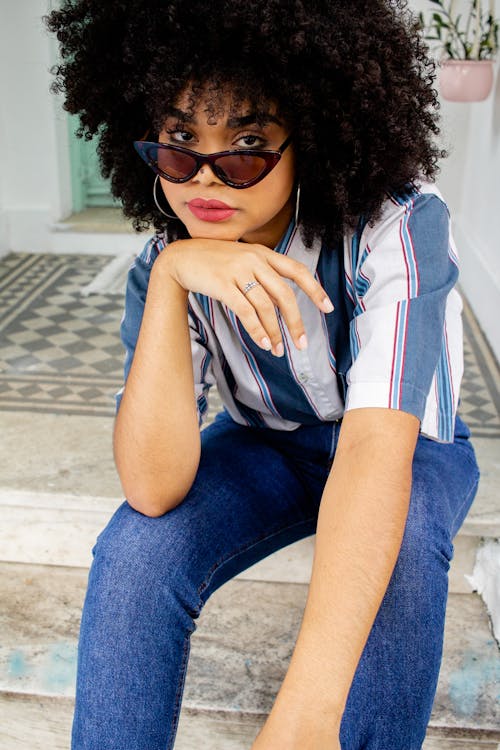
(258, 490)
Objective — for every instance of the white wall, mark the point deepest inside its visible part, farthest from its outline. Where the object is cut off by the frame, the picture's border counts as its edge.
(34, 183)
(470, 183)
(478, 213)
(3, 146)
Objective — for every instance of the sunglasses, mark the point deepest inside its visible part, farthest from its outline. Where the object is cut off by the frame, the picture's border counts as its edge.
(238, 169)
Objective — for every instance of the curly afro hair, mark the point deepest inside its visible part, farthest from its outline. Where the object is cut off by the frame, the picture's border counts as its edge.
(353, 80)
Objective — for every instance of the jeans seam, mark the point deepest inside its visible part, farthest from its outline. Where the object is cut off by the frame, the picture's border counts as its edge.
(235, 553)
(472, 490)
(180, 691)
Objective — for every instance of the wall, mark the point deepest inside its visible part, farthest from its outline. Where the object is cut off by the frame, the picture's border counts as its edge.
(470, 183)
(34, 183)
(478, 213)
(3, 146)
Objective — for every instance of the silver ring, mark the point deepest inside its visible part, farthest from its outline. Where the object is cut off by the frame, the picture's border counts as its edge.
(250, 285)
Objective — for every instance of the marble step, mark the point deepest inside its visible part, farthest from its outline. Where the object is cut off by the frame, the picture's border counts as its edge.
(41, 723)
(238, 660)
(60, 529)
(71, 456)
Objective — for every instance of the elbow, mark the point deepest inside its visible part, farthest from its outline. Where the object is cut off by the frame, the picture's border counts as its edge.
(154, 501)
(154, 485)
(153, 491)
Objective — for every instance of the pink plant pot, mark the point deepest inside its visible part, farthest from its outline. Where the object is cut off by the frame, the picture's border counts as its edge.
(466, 80)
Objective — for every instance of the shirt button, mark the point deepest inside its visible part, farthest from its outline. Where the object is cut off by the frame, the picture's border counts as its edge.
(303, 377)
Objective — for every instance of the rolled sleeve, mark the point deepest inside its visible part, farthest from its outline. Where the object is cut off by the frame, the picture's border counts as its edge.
(405, 322)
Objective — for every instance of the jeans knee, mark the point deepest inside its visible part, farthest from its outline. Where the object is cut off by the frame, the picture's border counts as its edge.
(125, 531)
(134, 542)
(427, 532)
(138, 551)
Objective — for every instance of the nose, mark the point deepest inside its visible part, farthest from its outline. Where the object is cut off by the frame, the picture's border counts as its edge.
(206, 176)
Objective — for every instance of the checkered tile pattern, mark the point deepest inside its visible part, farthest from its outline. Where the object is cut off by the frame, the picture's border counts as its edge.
(479, 393)
(60, 351)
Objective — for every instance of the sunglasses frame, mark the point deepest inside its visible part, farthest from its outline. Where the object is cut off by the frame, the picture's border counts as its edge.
(271, 158)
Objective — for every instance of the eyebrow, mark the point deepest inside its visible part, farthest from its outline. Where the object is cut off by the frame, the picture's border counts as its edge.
(233, 122)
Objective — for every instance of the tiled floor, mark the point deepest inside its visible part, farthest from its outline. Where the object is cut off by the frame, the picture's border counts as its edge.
(60, 351)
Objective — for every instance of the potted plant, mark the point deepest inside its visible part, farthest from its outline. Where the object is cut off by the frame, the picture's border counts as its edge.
(468, 42)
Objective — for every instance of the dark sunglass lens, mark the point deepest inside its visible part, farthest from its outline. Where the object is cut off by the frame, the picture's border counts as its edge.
(175, 164)
(241, 168)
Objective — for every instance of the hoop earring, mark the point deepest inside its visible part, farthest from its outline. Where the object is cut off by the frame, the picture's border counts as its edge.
(297, 204)
(160, 209)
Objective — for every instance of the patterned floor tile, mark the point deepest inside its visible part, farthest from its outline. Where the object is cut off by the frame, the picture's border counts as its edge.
(60, 351)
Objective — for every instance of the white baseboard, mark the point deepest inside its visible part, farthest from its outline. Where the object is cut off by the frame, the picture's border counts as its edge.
(34, 231)
(112, 243)
(27, 230)
(4, 233)
(479, 282)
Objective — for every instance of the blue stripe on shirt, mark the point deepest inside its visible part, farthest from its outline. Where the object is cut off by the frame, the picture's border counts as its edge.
(428, 224)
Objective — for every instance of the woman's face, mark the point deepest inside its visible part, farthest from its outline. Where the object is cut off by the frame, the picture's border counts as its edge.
(261, 212)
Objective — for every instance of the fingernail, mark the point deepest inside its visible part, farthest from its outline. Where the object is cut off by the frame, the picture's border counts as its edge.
(279, 349)
(266, 343)
(327, 305)
(302, 342)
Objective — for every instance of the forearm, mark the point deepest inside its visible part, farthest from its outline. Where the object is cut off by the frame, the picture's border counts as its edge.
(156, 437)
(360, 528)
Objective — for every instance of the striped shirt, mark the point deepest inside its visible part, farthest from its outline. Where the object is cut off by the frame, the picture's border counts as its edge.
(394, 339)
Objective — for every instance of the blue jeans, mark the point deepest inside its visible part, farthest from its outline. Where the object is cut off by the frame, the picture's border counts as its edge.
(258, 490)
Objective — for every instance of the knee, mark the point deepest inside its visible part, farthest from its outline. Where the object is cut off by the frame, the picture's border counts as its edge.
(142, 564)
(134, 542)
(427, 533)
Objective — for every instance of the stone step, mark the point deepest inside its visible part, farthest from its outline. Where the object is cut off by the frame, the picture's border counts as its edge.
(60, 529)
(59, 526)
(72, 456)
(41, 723)
(244, 650)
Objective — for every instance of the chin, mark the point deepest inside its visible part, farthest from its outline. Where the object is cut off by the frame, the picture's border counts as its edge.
(215, 232)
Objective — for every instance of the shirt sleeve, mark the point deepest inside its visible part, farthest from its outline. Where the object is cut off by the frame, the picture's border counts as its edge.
(135, 299)
(406, 334)
(202, 363)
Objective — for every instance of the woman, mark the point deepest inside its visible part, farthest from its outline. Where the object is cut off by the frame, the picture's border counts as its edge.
(302, 261)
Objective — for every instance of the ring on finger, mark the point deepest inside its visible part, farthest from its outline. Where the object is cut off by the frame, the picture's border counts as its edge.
(250, 285)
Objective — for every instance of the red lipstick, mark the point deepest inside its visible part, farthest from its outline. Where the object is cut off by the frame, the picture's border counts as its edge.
(210, 210)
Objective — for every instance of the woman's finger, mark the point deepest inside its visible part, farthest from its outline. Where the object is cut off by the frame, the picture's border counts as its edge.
(257, 295)
(300, 274)
(281, 295)
(266, 333)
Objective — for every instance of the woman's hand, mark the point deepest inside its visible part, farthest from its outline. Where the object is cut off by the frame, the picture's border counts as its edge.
(315, 738)
(296, 723)
(221, 269)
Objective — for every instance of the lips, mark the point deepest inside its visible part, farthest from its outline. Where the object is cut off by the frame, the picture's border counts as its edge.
(202, 203)
(210, 210)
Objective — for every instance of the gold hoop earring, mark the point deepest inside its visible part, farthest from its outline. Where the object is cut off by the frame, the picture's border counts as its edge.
(160, 209)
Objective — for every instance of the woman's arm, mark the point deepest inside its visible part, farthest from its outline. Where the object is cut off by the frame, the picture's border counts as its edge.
(360, 529)
(156, 436)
